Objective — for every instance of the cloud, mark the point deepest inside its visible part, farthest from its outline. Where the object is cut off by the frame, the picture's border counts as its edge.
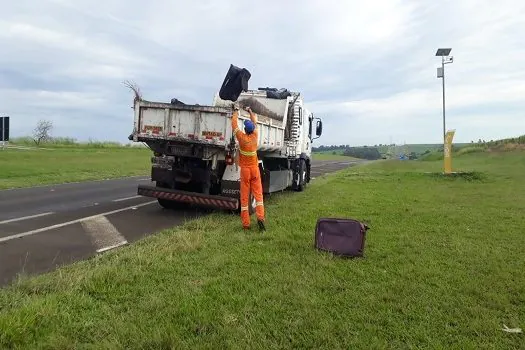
(368, 69)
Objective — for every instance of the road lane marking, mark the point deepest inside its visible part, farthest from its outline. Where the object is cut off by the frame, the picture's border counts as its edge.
(102, 250)
(125, 199)
(25, 217)
(43, 229)
(103, 234)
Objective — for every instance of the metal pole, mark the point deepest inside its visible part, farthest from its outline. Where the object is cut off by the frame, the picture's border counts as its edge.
(3, 133)
(443, 79)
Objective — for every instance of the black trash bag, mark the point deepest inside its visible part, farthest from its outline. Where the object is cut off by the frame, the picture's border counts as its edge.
(267, 89)
(280, 94)
(175, 101)
(235, 82)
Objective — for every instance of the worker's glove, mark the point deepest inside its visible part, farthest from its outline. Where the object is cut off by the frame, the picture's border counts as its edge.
(235, 106)
(247, 109)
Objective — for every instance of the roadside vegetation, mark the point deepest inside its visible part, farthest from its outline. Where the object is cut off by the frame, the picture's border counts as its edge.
(429, 152)
(63, 160)
(498, 146)
(68, 142)
(443, 268)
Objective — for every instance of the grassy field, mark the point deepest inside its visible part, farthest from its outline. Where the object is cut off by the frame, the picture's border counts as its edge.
(58, 164)
(395, 151)
(65, 160)
(330, 156)
(443, 268)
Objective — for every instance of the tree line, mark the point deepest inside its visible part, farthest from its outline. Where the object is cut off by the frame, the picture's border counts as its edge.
(370, 153)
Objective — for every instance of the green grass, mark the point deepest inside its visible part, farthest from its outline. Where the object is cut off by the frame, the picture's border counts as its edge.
(22, 168)
(330, 156)
(68, 142)
(443, 268)
(333, 152)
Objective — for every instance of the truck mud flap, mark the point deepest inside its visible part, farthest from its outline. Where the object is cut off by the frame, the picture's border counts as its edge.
(188, 197)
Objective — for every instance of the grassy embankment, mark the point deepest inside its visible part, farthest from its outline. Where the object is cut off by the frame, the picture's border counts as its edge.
(443, 268)
(67, 161)
(505, 145)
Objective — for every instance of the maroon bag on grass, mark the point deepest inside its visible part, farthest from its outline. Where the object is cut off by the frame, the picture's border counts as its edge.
(343, 237)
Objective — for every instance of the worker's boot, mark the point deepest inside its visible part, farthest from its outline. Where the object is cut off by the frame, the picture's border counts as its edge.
(261, 225)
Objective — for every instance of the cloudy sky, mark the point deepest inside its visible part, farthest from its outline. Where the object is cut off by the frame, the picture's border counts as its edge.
(368, 70)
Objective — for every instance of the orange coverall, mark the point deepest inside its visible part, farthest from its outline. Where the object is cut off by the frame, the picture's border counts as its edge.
(249, 163)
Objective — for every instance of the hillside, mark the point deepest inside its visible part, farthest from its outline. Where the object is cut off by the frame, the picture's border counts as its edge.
(504, 145)
(422, 151)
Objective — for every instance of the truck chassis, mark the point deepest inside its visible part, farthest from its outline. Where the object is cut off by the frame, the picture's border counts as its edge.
(191, 180)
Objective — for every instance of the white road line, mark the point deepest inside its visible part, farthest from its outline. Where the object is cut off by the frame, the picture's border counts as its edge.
(112, 247)
(25, 218)
(103, 234)
(125, 199)
(43, 229)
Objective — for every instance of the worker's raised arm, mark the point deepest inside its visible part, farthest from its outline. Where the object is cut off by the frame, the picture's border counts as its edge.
(253, 117)
(235, 122)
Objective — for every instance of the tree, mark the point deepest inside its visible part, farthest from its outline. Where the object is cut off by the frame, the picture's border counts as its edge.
(42, 131)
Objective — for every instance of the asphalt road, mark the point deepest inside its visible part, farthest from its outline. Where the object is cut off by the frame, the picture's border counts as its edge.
(48, 226)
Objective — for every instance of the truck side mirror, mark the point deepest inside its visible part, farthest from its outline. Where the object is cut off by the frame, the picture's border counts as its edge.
(318, 128)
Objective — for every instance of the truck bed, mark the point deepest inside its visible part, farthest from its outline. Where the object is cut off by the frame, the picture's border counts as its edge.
(209, 125)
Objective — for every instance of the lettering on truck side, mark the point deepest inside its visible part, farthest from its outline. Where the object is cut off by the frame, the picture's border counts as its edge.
(212, 133)
(230, 191)
(154, 129)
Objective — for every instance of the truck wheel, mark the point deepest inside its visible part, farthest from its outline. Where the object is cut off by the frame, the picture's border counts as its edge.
(167, 204)
(251, 205)
(308, 178)
(301, 176)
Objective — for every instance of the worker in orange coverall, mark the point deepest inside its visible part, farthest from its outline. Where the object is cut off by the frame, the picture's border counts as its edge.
(249, 163)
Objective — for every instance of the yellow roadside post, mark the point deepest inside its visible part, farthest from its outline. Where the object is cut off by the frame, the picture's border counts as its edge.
(447, 151)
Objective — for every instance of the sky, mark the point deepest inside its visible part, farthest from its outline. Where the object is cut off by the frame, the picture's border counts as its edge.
(367, 69)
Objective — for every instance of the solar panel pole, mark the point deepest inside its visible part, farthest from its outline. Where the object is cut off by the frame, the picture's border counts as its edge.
(3, 133)
(443, 84)
(445, 59)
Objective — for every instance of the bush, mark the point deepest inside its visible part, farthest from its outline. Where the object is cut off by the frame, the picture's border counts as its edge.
(370, 153)
(472, 149)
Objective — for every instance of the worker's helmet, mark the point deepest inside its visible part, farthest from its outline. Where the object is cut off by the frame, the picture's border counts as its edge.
(248, 126)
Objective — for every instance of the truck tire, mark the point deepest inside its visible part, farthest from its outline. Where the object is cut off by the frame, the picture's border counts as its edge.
(167, 204)
(308, 168)
(301, 176)
(251, 205)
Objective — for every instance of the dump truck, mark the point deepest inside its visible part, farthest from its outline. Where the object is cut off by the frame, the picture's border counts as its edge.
(195, 153)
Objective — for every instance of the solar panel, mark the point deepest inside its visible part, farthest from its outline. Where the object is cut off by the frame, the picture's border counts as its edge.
(443, 52)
